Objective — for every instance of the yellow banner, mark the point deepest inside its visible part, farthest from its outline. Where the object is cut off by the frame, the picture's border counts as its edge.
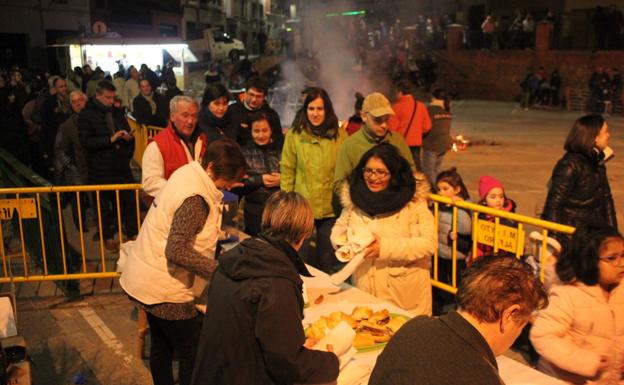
(507, 238)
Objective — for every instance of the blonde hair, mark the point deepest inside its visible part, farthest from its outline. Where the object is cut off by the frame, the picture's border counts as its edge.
(288, 216)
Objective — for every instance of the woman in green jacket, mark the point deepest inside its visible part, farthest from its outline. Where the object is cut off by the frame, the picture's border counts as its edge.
(307, 167)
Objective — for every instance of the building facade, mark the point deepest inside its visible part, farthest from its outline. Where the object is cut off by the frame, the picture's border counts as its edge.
(30, 28)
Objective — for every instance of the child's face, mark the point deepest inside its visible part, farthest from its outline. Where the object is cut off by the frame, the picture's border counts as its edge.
(611, 262)
(446, 190)
(495, 198)
(261, 132)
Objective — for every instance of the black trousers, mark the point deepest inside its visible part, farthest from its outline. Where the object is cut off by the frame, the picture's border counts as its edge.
(323, 257)
(441, 298)
(108, 207)
(167, 337)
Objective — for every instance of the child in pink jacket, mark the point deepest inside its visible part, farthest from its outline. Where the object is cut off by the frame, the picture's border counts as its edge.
(580, 335)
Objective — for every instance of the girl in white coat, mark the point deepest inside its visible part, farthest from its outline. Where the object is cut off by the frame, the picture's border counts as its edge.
(580, 335)
(384, 200)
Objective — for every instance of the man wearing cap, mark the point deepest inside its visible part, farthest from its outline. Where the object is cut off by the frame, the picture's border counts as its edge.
(376, 112)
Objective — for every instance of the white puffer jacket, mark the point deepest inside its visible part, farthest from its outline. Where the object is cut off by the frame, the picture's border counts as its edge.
(408, 240)
(578, 327)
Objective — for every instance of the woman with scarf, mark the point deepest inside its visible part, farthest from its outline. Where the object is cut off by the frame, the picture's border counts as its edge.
(214, 116)
(385, 218)
(307, 167)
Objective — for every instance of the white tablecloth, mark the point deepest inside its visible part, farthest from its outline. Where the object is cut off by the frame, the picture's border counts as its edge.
(511, 371)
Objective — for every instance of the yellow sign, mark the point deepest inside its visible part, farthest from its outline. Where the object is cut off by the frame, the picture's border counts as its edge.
(507, 238)
(27, 208)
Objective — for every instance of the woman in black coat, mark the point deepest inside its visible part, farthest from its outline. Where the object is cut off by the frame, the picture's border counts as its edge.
(252, 331)
(214, 115)
(579, 188)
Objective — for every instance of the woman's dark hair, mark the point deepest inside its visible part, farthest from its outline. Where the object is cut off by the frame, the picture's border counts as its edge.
(213, 92)
(579, 258)
(331, 120)
(441, 94)
(257, 117)
(452, 177)
(359, 101)
(582, 136)
(401, 174)
(227, 159)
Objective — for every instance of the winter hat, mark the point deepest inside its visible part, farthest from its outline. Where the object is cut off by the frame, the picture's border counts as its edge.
(486, 184)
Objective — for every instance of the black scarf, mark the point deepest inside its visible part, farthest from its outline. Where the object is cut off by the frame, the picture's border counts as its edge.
(207, 118)
(387, 201)
(321, 132)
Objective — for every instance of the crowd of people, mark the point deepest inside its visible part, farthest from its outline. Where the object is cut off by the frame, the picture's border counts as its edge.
(362, 194)
(605, 87)
(359, 190)
(540, 88)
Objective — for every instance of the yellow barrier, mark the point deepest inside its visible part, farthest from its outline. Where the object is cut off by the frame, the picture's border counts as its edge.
(34, 211)
(493, 234)
(24, 206)
(142, 136)
(152, 131)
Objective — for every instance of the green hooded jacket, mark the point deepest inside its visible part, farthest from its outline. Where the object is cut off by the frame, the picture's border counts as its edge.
(307, 167)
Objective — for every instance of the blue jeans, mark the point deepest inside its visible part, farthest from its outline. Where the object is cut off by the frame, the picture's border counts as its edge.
(432, 160)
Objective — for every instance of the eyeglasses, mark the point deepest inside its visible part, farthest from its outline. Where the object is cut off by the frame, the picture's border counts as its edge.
(377, 173)
(613, 260)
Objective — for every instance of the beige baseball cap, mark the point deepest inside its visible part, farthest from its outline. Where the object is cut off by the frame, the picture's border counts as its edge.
(377, 105)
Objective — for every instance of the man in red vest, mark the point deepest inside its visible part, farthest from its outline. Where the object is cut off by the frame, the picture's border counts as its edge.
(178, 144)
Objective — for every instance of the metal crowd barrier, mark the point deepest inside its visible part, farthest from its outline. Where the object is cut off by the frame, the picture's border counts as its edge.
(493, 234)
(34, 217)
(142, 136)
(33, 211)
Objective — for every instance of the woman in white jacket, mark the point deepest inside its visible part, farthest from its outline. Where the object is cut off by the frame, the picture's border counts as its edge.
(165, 270)
(385, 218)
(580, 335)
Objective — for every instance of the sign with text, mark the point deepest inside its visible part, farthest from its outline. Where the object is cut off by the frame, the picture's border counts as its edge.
(27, 208)
(507, 238)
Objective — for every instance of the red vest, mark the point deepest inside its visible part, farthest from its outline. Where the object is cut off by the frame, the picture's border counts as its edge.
(172, 149)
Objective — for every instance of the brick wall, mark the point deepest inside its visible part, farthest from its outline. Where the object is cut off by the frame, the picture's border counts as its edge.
(496, 75)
